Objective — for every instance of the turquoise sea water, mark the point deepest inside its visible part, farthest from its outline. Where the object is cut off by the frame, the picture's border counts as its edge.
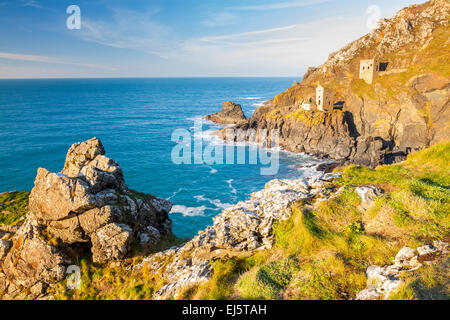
(135, 118)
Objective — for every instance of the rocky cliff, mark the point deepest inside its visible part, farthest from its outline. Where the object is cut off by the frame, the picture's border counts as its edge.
(231, 113)
(405, 108)
(84, 208)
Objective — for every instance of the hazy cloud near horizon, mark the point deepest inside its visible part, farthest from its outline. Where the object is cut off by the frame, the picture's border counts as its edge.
(183, 38)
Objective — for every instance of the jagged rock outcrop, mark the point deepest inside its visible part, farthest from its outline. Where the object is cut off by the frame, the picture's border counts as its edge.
(382, 281)
(231, 113)
(239, 230)
(86, 206)
(406, 108)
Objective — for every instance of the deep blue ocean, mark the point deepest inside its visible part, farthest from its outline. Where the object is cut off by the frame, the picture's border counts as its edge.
(135, 119)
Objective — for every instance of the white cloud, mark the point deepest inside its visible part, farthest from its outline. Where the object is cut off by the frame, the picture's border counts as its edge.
(44, 59)
(285, 50)
(250, 33)
(31, 3)
(221, 19)
(281, 5)
(130, 30)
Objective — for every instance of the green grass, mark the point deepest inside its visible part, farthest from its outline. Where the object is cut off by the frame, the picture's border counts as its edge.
(106, 282)
(13, 206)
(323, 250)
(220, 286)
(428, 283)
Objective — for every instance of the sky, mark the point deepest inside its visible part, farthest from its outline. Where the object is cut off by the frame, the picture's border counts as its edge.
(179, 38)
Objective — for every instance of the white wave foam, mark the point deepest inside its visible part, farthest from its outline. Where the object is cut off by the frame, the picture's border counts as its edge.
(175, 193)
(213, 171)
(189, 211)
(230, 184)
(219, 204)
(197, 118)
(208, 136)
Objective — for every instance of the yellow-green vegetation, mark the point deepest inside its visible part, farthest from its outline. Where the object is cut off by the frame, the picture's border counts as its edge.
(428, 283)
(311, 118)
(433, 58)
(114, 282)
(323, 250)
(289, 97)
(13, 206)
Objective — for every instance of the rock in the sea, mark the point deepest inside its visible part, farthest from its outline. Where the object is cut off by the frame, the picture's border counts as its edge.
(231, 113)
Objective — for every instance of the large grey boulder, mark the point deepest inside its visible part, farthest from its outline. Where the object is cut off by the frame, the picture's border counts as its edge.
(111, 242)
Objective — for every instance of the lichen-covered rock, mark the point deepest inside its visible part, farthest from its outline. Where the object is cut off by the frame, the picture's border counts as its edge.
(67, 230)
(32, 261)
(111, 242)
(383, 281)
(405, 255)
(80, 154)
(150, 236)
(85, 206)
(238, 231)
(90, 193)
(4, 247)
(368, 195)
(428, 249)
(92, 220)
(55, 196)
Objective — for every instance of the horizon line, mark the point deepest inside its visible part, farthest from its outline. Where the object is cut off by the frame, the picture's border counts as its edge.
(152, 77)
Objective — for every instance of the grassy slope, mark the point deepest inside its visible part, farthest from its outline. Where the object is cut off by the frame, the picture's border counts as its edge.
(431, 59)
(13, 206)
(323, 250)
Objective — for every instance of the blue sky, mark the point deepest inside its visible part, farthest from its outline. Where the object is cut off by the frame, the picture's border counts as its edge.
(178, 38)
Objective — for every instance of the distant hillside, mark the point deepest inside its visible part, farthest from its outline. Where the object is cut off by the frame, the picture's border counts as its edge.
(405, 108)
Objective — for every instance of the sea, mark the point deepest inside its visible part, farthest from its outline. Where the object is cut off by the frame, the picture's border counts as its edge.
(137, 119)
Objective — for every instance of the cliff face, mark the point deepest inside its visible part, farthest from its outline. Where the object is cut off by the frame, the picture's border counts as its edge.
(406, 107)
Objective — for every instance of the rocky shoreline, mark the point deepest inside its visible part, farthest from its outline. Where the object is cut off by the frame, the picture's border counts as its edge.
(240, 230)
(88, 208)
